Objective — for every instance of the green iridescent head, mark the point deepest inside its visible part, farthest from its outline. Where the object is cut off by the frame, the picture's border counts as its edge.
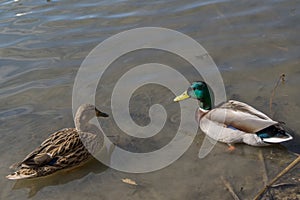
(198, 90)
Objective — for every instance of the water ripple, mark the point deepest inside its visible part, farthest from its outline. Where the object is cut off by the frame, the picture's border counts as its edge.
(18, 111)
(37, 84)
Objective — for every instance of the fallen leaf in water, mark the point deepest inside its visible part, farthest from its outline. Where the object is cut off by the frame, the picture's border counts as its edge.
(129, 181)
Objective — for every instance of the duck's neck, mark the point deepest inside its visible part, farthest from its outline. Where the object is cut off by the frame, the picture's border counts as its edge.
(85, 124)
(80, 122)
(205, 103)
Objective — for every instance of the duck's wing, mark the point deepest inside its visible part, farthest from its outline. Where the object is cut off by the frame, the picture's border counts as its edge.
(59, 145)
(240, 116)
(243, 107)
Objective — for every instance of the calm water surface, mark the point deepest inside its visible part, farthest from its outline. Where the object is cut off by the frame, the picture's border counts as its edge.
(42, 45)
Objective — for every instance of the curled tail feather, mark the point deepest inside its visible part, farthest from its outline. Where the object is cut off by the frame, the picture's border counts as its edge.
(27, 172)
(22, 173)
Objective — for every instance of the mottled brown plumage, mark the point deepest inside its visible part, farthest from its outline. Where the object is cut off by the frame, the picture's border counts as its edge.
(63, 149)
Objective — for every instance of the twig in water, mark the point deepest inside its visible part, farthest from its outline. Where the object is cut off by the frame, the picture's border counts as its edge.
(265, 175)
(282, 185)
(284, 171)
(280, 80)
(230, 189)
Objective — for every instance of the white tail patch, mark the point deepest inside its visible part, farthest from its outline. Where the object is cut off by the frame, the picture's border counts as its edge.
(278, 139)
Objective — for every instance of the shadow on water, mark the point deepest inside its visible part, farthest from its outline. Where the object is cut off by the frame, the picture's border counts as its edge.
(293, 145)
(60, 178)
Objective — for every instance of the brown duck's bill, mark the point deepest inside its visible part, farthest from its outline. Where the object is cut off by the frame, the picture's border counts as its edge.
(100, 114)
(181, 97)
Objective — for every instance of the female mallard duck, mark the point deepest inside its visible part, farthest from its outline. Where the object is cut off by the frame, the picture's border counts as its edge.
(234, 121)
(63, 149)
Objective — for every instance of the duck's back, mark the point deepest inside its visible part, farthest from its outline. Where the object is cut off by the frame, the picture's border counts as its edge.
(63, 149)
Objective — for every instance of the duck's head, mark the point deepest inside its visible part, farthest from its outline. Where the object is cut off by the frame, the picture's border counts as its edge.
(198, 90)
(84, 114)
(88, 111)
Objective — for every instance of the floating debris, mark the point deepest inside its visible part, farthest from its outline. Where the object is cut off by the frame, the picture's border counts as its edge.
(284, 171)
(280, 80)
(230, 189)
(129, 181)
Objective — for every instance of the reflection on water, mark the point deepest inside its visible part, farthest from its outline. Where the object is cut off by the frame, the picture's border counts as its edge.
(35, 185)
(43, 44)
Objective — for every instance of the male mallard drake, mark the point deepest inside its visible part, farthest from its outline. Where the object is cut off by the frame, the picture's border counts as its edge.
(234, 121)
(63, 149)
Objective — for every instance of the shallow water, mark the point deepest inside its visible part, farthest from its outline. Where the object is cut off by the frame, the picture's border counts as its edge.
(42, 45)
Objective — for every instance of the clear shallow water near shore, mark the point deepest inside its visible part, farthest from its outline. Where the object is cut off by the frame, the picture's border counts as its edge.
(42, 45)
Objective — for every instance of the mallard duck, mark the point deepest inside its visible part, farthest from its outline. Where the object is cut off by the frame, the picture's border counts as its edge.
(233, 121)
(63, 149)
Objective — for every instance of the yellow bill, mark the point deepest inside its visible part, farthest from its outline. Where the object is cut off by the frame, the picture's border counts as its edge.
(181, 97)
